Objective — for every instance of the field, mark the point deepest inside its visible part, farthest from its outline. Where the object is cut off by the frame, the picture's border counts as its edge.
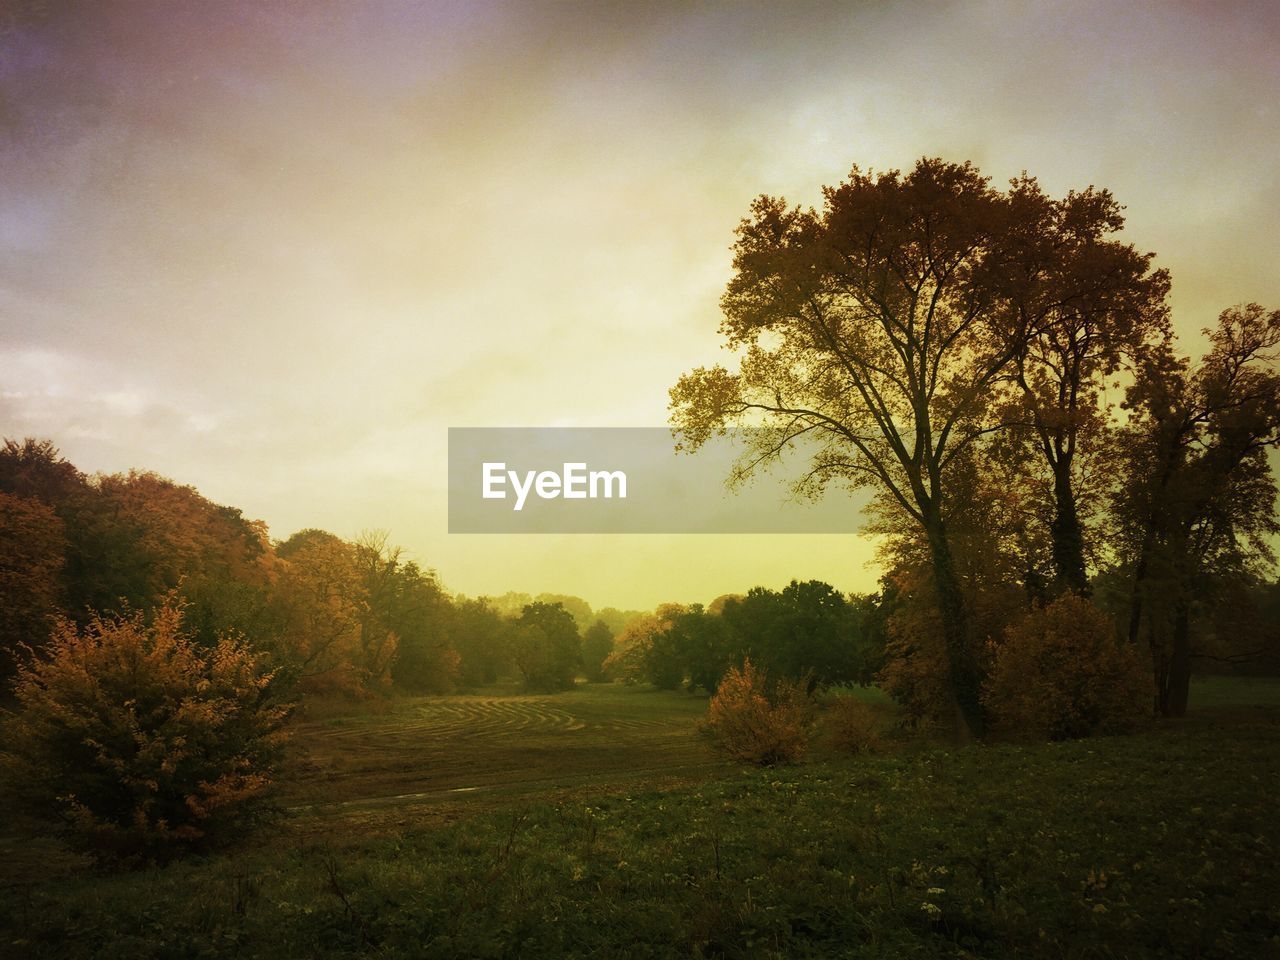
(596, 823)
(492, 748)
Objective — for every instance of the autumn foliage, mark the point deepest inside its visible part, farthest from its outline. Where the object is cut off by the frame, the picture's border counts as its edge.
(138, 742)
(753, 720)
(853, 726)
(1061, 673)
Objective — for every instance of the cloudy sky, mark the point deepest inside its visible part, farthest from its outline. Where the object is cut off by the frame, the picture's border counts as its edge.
(276, 249)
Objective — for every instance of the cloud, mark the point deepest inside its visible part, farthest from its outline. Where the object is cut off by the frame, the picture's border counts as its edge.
(278, 249)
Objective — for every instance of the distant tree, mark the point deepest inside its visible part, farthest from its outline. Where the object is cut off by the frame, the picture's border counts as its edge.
(510, 603)
(546, 647)
(804, 631)
(406, 622)
(616, 620)
(644, 652)
(578, 608)
(705, 645)
(480, 636)
(386, 596)
(597, 644)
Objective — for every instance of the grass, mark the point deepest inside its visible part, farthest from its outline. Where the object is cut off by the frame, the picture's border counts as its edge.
(1159, 844)
(492, 748)
(1215, 693)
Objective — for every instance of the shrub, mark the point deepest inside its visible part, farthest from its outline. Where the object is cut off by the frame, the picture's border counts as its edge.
(139, 743)
(1062, 674)
(754, 721)
(853, 725)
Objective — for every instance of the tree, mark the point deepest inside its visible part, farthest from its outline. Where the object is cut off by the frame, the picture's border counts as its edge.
(1197, 501)
(546, 647)
(136, 536)
(36, 470)
(32, 546)
(644, 652)
(705, 646)
(876, 330)
(480, 636)
(578, 608)
(805, 631)
(322, 591)
(409, 620)
(616, 620)
(597, 644)
(1086, 302)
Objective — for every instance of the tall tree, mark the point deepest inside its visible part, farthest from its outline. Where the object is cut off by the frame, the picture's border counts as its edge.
(1087, 303)
(1198, 499)
(875, 329)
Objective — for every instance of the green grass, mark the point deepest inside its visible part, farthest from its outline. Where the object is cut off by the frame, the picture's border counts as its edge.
(493, 747)
(1213, 693)
(1159, 844)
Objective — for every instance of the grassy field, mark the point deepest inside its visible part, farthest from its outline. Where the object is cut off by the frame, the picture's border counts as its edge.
(438, 756)
(595, 823)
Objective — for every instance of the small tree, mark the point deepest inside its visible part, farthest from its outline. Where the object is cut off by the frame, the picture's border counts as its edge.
(1061, 673)
(138, 742)
(753, 721)
(853, 725)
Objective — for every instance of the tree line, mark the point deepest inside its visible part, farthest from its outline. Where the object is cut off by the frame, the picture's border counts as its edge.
(333, 616)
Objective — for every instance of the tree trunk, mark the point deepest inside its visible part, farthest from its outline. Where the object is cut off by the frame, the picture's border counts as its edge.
(961, 665)
(1179, 683)
(1160, 674)
(1067, 533)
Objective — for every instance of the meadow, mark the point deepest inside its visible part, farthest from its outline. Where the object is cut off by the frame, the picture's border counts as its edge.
(597, 823)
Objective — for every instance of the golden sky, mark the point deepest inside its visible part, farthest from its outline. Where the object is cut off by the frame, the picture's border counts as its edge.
(276, 250)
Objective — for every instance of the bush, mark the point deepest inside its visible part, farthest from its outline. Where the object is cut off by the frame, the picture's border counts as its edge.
(754, 721)
(853, 725)
(1061, 673)
(139, 743)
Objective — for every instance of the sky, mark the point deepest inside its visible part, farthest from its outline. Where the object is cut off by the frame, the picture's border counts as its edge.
(276, 249)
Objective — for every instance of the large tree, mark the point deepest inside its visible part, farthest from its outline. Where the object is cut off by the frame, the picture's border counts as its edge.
(1088, 304)
(1198, 499)
(876, 330)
